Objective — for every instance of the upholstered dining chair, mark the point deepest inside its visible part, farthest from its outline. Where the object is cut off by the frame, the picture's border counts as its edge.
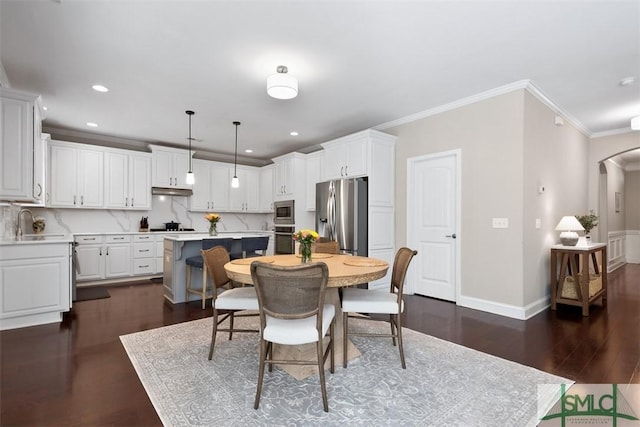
(229, 300)
(367, 301)
(197, 262)
(293, 312)
(252, 244)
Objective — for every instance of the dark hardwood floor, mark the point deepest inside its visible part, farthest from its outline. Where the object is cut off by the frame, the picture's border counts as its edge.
(78, 374)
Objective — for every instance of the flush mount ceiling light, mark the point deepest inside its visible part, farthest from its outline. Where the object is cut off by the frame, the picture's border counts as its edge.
(235, 182)
(190, 179)
(282, 85)
(635, 123)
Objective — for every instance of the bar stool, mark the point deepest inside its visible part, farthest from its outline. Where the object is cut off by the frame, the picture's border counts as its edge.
(252, 244)
(197, 262)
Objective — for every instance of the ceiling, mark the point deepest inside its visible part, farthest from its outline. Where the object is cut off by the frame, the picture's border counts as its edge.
(360, 64)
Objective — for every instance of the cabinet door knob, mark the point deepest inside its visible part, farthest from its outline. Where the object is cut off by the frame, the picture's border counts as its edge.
(345, 171)
(453, 236)
(82, 200)
(74, 200)
(132, 202)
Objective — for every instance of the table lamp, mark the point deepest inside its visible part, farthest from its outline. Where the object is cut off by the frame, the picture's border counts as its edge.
(569, 225)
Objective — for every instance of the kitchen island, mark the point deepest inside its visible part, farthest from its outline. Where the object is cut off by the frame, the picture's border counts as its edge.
(35, 280)
(178, 247)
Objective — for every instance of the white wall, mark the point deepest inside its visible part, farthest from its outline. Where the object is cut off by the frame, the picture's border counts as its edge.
(632, 200)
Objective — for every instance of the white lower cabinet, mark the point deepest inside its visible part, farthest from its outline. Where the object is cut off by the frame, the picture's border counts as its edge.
(117, 256)
(144, 261)
(89, 257)
(35, 284)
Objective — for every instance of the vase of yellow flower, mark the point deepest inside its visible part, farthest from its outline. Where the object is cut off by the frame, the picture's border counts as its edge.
(305, 238)
(213, 223)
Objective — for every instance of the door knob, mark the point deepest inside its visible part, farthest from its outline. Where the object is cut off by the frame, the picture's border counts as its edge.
(453, 236)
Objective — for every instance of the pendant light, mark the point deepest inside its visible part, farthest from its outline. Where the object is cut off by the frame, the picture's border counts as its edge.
(235, 182)
(190, 179)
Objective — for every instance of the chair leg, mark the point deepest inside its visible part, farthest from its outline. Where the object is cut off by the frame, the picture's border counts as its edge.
(332, 347)
(231, 317)
(263, 356)
(399, 328)
(187, 283)
(213, 333)
(345, 337)
(323, 386)
(204, 286)
(270, 353)
(393, 332)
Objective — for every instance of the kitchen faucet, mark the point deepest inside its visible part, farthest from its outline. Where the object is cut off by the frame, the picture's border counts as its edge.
(19, 228)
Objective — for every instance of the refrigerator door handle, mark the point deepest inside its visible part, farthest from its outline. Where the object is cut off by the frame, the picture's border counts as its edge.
(331, 212)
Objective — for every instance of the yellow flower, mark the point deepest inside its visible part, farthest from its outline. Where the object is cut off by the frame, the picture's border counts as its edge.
(213, 218)
(307, 236)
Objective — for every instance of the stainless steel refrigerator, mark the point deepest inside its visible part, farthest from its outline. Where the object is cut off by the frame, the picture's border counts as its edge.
(341, 213)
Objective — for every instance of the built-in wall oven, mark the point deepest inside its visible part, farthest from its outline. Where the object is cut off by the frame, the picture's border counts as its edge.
(284, 243)
(284, 213)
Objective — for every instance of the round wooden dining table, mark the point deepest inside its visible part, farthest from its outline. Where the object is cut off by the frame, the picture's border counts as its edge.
(344, 270)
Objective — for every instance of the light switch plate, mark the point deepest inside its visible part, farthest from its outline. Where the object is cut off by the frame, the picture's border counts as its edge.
(500, 222)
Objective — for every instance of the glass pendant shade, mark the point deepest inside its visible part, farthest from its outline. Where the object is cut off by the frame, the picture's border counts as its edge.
(235, 182)
(190, 179)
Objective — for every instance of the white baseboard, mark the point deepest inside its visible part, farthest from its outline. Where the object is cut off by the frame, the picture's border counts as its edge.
(512, 311)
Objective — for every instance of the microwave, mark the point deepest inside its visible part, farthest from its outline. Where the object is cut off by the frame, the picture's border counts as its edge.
(283, 212)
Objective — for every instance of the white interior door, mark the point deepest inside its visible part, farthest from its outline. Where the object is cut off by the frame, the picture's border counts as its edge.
(433, 211)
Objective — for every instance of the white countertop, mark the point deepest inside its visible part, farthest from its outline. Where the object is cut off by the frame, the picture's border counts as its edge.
(186, 237)
(44, 238)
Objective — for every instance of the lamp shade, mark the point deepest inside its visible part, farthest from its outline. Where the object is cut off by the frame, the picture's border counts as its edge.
(282, 85)
(569, 225)
(635, 123)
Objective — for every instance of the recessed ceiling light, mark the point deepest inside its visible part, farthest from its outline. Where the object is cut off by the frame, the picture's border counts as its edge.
(293, 133)
(92, 125)
(100, 88)
(248, 150)
(44, 107)
(627, 81)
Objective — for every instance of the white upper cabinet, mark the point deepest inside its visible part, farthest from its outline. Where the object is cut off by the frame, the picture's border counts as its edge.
(20, 129)
(170, 167)
(346, 157)
(211, 187)
(76, 176)
(127, 180)
(265, 196)
(314, 175)
(288, 173)
(245, 197)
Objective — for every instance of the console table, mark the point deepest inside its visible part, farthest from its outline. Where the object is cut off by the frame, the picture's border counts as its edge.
(576, 278)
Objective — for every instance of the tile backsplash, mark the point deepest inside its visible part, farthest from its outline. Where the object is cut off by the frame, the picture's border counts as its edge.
(165, 209)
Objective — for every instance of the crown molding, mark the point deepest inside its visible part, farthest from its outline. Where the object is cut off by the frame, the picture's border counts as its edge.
(612, 132)
(527, 85)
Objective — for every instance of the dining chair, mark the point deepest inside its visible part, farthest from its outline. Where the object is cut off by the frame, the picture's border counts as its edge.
(196, 262)
(252, 244)
(293, 312)
(225, 297)
(367, 301)
(326, 246)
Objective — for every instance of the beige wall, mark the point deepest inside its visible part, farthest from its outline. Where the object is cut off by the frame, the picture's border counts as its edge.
(489, 135)
(600, 149)
(555, 156)
(615, 184)
(510, 147)
(632, 200)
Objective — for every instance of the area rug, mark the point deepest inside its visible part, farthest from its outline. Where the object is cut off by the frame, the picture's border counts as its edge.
(445, 384)
(87, 293)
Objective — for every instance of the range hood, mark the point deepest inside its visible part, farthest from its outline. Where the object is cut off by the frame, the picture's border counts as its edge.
(163, 191)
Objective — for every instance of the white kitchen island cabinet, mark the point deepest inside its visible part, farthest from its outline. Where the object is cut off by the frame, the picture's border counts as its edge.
(177, 248)
(35, 281)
